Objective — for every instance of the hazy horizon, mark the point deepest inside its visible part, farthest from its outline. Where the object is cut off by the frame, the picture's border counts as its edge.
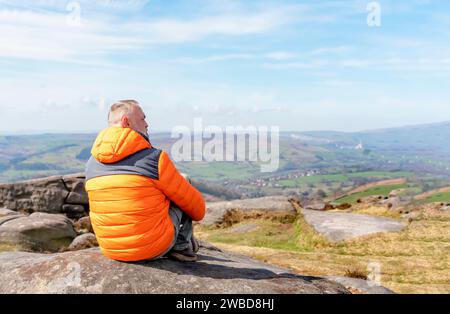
(42, 132)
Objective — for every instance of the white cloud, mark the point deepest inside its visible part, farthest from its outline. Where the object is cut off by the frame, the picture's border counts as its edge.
(51, 5)
(38, 36)
(216, 58)
(49, 35)
(314, 64)
(180, 31)
(329, 50)
(409, 64)
(280, 55)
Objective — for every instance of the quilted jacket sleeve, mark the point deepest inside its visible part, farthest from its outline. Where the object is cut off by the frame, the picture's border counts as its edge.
(178, 189)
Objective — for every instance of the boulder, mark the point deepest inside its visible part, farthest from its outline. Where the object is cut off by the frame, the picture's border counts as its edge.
(4, 212)
(40, 195)
(7, 215)
(321, 206)
(73, 211)
(316, 206)
(336, 226)
(78, 194)
(270, 204)
(38, 232)
(71, 180)
(84, 241)
(87, 271)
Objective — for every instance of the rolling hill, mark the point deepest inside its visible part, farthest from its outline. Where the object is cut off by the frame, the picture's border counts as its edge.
(309, 161)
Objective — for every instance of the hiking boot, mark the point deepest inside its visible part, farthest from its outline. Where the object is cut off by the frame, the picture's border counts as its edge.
(195, 244)
(186, 255)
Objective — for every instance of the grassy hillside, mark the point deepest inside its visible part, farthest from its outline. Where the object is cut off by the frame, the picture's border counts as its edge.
(414, 260)
(337, 160)
(383, 190)
(438, 197)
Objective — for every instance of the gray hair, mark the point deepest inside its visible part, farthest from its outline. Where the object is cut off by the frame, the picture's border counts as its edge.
(123, 107)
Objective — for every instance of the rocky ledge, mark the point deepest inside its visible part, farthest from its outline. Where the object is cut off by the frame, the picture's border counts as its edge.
(53, 195)
(88, 271)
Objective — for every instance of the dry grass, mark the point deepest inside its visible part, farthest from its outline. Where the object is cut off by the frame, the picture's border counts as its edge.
(416, 260)
(235, 216)
(4, 247)
(358, 273)
(383, 211)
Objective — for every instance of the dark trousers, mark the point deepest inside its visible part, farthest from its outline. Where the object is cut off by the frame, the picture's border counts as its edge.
(182, 225)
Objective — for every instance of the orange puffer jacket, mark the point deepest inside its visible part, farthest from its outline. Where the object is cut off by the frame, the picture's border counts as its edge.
(130, 186)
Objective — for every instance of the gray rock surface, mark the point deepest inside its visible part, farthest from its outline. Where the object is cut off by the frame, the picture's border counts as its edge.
(57, 194)
(316, 206)
(84, 241)
(39, 231)
(4, 212)
(216, 210)
(71, 180)
(78, 194)
(73, 211)
(87, 271)
(40, 195)
(8, 215)
(343, 226)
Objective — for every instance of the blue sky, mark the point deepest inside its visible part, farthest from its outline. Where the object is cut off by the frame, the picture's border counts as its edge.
(299, 65)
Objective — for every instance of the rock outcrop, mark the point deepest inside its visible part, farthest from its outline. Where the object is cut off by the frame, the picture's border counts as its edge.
(66, 195)
(37, 232)
(36, 214)
(84, 241)
(216, 211)
(55, 195)
(87, 271)
(344, 226)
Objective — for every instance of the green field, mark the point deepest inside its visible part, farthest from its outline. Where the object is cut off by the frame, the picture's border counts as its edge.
(343, 177)
(217, 171)
(383, 190)
(438, 197)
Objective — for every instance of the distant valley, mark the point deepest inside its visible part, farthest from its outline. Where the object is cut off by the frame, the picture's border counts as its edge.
(312, 164)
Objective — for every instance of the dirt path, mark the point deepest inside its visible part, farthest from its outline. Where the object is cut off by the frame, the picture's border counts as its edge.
(429, 193)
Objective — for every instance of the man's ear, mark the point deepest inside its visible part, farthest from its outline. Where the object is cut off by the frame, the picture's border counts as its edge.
(124, 123)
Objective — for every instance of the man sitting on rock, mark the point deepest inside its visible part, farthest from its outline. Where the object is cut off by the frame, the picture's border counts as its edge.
(141, 207)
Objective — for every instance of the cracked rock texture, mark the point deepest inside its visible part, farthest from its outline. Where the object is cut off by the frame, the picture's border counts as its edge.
(87, 271)
(47, 195)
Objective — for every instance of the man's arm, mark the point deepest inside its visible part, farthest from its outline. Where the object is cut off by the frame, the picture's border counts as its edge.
(178, 189)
